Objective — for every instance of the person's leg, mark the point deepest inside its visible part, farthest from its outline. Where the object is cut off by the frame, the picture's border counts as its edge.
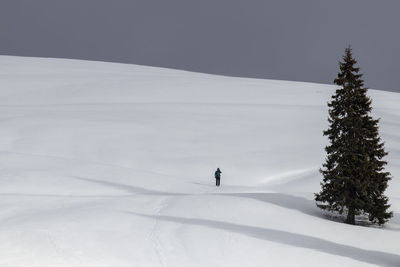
(218, 181)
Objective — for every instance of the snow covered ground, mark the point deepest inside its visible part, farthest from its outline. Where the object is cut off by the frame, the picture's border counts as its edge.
(107, 164)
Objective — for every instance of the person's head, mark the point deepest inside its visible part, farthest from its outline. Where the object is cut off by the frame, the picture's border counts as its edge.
(218, 169)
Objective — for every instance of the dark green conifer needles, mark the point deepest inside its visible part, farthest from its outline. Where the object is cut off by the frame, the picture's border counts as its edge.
(354, 179)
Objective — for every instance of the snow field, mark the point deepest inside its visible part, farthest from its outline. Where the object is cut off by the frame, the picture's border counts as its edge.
(108, 164)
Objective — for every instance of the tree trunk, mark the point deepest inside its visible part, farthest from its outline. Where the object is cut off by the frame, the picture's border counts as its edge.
(351, 216)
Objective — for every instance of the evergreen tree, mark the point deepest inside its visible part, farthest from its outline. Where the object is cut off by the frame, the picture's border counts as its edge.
(354, 179)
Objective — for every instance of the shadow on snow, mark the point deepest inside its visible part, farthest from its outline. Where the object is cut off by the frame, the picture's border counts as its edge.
(283, 200)
(292, 239)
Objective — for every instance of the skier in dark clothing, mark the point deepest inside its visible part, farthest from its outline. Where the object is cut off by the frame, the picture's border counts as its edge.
(217, 177)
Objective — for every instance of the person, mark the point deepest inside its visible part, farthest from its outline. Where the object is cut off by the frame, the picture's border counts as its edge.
(217, 177)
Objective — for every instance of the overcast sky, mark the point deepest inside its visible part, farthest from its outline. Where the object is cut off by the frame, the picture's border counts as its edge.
(300, 40)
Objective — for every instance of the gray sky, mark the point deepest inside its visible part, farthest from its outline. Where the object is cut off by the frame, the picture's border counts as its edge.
(300, 40)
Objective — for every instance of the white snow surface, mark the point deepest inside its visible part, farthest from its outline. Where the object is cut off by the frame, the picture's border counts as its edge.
(106, 164)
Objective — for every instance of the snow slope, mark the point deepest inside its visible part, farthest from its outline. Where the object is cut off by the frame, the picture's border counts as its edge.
(108, 164)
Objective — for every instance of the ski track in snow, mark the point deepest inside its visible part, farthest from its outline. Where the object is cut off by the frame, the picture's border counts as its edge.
(154, 235)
